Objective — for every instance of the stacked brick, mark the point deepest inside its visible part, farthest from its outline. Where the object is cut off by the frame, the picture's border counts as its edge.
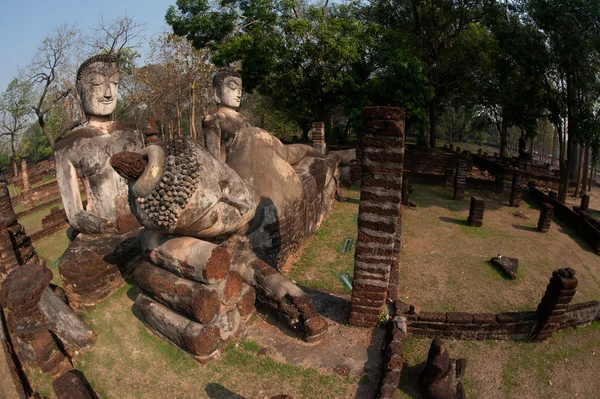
(472, 326)
(476, 210)
(318, 137)
(460, 180)
(585, 202)
(580, 314)
(23, 279)
(55, 221)
(551, 310)
(379, 220)
(197, 307)
(516, 190)
(25, 175)
(394, 358)
(545, 220)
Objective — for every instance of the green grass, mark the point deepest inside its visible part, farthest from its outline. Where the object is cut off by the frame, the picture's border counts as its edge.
(33, 222)
(322, 261)
(50, 249)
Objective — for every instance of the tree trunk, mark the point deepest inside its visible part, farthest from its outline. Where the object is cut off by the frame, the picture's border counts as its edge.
(579, 169)
(193, 132)
(592, 176)
(503, 137)
(178, 111)
(432, 123)
(584, 172)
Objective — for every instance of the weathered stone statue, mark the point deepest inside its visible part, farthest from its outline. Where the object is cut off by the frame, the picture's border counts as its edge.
(85, 153)
(88, 272)
(293, 185)
(442, 376)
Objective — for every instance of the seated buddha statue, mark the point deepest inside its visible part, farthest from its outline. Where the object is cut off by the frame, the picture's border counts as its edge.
(94, 264)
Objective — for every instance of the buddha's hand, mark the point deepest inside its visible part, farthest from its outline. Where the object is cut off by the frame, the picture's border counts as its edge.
(89, 223)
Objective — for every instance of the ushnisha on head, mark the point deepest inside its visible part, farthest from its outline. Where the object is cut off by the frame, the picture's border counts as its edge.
(227, 88)
(98, 84)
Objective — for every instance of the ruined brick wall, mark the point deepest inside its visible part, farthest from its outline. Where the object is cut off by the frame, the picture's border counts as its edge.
(379, 220)
(585, 227)
(41, 194)
(580, 314)
(416, 161)
(472, 326)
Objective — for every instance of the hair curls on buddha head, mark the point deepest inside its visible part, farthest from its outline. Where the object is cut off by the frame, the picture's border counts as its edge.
(224, 73)
(108, 58)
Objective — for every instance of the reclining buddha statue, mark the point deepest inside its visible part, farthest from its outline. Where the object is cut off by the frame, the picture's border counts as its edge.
(244, 203)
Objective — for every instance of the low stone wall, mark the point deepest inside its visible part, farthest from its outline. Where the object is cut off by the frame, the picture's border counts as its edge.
(581, 314)
(472, 326)
(41, 194)
(393, 358)
(584, 225)
(434, 162)
(57, 220)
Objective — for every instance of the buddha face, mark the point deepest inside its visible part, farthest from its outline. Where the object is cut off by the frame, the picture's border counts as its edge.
(98, 88)
(230, 92)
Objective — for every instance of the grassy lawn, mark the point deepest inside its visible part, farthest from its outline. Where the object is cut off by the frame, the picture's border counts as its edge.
(33, 222)
(50, 249)
(128, 361)
(444, 268)
(445, 262)
(565, 366)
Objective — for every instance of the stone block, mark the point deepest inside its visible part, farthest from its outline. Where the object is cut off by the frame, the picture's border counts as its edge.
(507, 265)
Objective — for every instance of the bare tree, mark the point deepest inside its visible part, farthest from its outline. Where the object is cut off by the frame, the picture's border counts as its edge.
(14, 113)
(122, 34)
(52, 73)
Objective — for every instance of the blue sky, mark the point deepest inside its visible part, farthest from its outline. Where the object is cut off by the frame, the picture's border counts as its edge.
(24, 23)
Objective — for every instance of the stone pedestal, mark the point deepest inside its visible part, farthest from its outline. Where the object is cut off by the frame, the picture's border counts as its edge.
(460, 180)
(476, 210)
(545, 220)
(95, 266)
(585, 202)
(379, 218)
(198, 315)
(550, 311)
(516, 190)
(449, 178)
(318, 137)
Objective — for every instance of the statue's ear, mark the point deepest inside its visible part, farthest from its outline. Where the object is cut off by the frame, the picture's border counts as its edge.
(216, 97)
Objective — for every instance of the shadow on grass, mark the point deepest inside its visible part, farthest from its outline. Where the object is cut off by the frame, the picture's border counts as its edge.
(460, 222)
(429, 195)
(349, 200)
(330, 306)
(498, 270)
(373, 367)
(524, 228)
(409, 380)
(218, 391)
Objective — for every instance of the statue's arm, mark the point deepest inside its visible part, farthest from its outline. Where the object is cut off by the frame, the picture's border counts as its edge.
(212, 136)
(85, 222)
(295, 153)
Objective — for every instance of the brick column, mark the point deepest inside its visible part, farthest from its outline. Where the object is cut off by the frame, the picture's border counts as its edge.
(476, 212)
(460, 180)
(318, 137)
(449, 177)
(550, 311)
(379, 214)
(545, 219)
(516, 190)
(25, 175)
(585, 202)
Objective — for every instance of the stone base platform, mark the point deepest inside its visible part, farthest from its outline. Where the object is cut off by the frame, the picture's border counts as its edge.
(95, 266)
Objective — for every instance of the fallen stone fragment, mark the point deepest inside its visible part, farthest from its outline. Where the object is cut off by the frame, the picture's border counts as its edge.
(507, 265)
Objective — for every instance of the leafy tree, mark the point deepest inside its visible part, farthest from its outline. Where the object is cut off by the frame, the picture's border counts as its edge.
(299, 53)
(570, 28)
(442, 34)
(14, 114)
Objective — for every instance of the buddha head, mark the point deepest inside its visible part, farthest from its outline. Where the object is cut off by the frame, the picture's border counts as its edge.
(98, 84)
(227, 88)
